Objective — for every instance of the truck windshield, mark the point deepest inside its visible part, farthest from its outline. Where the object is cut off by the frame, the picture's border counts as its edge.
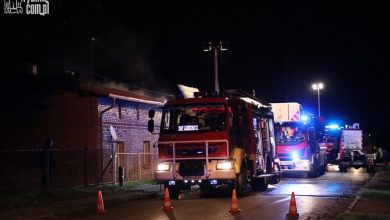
(289, 133)
(193, 118)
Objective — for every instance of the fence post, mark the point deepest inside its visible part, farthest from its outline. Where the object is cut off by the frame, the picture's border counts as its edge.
(45, 169)
(139, 167)
(121, 175)
(85, 155)
(114, 144)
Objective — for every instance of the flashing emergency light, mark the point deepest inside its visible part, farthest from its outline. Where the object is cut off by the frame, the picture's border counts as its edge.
(332, 126)
(294, 155)
(304, 118)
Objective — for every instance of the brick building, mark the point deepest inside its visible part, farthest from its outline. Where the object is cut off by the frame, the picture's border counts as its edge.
(86, 120)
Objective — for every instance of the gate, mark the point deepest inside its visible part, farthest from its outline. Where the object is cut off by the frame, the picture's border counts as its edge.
(136, 166)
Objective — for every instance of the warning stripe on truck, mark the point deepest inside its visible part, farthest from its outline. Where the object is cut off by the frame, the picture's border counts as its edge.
(295, 117)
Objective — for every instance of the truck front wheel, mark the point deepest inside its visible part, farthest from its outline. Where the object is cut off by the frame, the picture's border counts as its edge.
(174, 192)
(259, 184)
(343, 167)
(275, 179)
(314, 168)
(242, 178)
(241, 183)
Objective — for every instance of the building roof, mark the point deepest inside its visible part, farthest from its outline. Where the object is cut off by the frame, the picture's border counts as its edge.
(141, 96)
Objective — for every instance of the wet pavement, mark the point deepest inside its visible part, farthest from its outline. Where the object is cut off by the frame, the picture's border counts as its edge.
(317, 198)
(332, 184)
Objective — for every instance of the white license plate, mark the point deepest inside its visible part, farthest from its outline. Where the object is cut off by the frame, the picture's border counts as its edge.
(286, 163)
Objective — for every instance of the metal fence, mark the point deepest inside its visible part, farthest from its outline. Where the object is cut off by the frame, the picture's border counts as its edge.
(136, 166)
(47, 169)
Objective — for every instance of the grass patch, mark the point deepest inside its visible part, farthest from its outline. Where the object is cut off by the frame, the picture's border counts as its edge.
(361, 216)
(375, 193)
(24, 198)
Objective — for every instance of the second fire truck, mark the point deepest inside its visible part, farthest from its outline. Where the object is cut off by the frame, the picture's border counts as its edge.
(297, 140)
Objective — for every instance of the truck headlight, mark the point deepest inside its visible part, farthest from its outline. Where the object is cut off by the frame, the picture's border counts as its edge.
(295, 155)
(163, 167)
(226, 165)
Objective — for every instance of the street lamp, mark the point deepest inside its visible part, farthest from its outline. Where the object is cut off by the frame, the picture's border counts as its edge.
(318, 87)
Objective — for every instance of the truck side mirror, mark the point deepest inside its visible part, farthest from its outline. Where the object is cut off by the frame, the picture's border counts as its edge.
(151, 125)
(151, 113)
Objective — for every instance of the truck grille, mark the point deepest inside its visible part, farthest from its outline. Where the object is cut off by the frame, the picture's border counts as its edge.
(191, 168)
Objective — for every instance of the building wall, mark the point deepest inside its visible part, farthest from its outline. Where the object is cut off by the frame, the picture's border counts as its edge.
(70, 120)
(129, 120)
(67, 118)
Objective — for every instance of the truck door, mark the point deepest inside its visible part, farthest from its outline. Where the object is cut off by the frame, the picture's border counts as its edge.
(266, 136)
(260, 163)
(265, 143)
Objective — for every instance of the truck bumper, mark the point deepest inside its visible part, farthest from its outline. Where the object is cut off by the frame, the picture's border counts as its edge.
(216, 174)
(295, 166)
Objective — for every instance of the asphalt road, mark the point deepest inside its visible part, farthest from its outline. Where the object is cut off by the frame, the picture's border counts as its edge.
(332, 184)
(316, 198)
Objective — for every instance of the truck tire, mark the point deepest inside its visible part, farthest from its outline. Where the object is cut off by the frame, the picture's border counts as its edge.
(242, 179)
(343, 167)
(241, 183)
(313, 174)
(314, 168)
(259, 184)
(371, 169)
(275, 179)
(174, 192)
(323, 169)
(206, 189)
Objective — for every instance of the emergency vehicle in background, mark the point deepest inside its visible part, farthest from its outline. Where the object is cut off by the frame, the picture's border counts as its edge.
(297, 140)
(331, 141)
(216, 141)
(354, 151)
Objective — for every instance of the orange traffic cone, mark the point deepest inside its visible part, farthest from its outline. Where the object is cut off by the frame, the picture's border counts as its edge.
(234, 209)
(99, 203)
(292, 210)
(167, 201)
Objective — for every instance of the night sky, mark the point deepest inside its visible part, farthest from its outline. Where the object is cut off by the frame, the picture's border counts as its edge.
(278, 49)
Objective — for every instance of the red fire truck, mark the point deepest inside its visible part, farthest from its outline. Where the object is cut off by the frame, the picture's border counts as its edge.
(216, 141)
(297, 140)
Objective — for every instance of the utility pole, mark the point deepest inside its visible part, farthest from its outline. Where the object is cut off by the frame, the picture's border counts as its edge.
(215, 48)
(93, 42)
